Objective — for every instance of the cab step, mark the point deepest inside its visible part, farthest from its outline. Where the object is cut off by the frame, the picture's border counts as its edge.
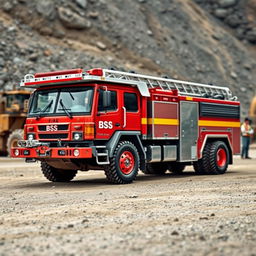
(102, 156)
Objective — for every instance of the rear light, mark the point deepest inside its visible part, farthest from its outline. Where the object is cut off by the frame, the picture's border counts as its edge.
(95, 72)
(89, 131)
(59, 73)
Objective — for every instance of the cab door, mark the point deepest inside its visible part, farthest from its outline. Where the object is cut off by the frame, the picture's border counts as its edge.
(131, 110)
(110, 119)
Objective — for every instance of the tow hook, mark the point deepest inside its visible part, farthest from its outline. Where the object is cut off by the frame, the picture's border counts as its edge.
(43, 152)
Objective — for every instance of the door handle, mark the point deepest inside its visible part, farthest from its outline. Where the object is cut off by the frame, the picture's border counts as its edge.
(124, 125)
(117, 124)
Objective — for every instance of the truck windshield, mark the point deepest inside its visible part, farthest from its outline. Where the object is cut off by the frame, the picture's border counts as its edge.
(65, 101)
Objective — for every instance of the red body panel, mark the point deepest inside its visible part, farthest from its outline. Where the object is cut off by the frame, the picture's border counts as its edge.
(107, 123)
(165, 120)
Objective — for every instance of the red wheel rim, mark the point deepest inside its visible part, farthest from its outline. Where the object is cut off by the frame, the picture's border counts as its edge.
(126, 162)
(221, 157)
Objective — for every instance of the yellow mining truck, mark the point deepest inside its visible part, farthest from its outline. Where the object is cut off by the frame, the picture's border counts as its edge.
(13, 109)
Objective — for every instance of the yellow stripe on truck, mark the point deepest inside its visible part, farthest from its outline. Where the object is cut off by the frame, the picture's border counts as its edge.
(168, 121)
(160, 121)
(218, 123)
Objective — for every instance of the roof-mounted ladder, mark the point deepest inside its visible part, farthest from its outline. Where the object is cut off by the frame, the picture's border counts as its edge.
(183, 87)
(143, 82)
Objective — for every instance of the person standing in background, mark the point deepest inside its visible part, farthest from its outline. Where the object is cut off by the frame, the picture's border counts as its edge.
(247, 132)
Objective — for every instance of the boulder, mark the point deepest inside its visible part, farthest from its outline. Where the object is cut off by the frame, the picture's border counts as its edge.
(101, 46)
(82, 3)
(227, 3)
(71, 19)
(47, 9)
(220, 13)
(233, 21)
(251, 36)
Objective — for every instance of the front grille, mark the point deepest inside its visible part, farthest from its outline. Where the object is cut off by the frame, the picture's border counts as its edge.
(61, 127)
(53, 136)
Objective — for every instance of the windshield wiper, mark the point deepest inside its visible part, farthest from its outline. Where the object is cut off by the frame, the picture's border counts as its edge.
(44, 109)
(65, 109)
(71, 95)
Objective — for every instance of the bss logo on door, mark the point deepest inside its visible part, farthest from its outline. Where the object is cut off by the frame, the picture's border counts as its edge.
(105, 125)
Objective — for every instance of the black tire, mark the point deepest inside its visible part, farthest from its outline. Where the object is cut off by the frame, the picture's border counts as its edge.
(13, 139)
(176, 168)
(124, 164)
(155, 169)
(57, 175)
(218, 158)
(215, 159)
(200, 166)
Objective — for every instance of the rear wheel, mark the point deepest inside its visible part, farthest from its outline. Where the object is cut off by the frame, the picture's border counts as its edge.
(215, 159)
(176, 168)
(57, 175)
(218, 158)
(13, 139)
(124, 164)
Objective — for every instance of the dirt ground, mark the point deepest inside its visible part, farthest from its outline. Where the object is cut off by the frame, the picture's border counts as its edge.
(170, 215)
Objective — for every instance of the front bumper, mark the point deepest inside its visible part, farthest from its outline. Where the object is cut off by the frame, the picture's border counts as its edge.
(42, 152)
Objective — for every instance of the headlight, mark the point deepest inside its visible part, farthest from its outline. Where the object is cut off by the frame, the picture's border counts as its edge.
(77, 136)
(30, 136)
(76, 152)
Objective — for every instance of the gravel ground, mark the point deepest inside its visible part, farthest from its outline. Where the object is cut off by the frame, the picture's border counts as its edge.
(180, 215)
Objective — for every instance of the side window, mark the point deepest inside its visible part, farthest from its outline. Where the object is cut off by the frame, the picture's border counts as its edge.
(130, 102)
(113, 106)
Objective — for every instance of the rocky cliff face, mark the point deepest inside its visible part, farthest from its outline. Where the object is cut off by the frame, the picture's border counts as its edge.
(184, 39)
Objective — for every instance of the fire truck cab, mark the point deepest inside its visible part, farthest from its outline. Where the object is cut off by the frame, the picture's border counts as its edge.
(124, 122)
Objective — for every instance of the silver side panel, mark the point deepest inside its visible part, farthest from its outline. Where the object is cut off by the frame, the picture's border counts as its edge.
(153, 154)
(188, 131)
(169, 153)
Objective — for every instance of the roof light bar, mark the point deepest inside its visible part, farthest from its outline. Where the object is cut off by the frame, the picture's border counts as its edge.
(60, 72)
(62, 76)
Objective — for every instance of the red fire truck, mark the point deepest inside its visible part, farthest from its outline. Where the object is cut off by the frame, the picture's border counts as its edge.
(124, 122)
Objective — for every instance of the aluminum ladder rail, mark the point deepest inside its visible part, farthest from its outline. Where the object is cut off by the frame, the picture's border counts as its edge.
(183, 87)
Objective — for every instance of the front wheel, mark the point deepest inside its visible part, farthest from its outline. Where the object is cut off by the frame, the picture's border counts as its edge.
(57, 175)
(124, 164)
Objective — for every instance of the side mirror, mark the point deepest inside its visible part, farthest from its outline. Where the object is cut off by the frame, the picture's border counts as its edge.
(106, 99)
